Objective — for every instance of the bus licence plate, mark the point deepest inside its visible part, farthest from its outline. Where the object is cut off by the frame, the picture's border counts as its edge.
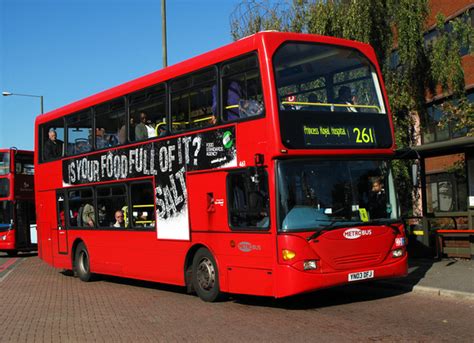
(369, 274)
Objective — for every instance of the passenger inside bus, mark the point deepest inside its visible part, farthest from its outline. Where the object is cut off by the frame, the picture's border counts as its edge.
(86, 215)
(161, 129)
(141, 130)
(234, 95)
(122, 133)
(100, 140)
(53, 147)
(346, 96)
(119, 219)
(377, 200)
(312, 99)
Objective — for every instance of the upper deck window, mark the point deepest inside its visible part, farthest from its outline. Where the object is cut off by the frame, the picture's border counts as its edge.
(24, 164)
(148, 113)
(4, 163)
(242, 89)
(79, 132)
(110, 124)
(52, 138)
(192, 99)
(336, 93)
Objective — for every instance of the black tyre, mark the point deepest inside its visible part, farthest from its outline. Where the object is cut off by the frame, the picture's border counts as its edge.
(206, 276)
(82, 263)
(12, 253)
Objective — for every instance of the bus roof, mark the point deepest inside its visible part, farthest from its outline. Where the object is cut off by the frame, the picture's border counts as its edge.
(234, 49)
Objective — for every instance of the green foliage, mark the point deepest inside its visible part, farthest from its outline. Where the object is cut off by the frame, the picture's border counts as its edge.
(383, 24)
(460, 116)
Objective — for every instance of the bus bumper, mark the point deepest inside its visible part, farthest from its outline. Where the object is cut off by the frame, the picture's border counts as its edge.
(291, 281)
(7, 241)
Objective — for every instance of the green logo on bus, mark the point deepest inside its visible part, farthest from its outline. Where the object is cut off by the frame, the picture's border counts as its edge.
(227, 139)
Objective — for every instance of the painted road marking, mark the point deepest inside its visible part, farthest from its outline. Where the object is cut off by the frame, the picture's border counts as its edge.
(7, 264)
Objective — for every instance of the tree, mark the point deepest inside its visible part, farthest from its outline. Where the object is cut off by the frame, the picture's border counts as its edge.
(393, 28)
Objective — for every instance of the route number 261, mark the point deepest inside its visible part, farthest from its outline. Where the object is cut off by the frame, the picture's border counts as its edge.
(364, 135)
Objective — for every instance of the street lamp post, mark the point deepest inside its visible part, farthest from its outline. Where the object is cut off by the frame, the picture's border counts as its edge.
(28, 95)
(163, 33)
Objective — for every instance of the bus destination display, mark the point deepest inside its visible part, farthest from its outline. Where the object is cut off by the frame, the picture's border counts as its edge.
(317, 135)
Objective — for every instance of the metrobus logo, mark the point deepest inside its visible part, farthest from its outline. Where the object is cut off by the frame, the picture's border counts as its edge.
(355, 233)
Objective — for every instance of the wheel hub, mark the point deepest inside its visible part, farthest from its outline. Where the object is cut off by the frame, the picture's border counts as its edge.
(206, 274)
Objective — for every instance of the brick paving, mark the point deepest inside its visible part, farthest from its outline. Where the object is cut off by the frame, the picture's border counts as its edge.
(40, 304)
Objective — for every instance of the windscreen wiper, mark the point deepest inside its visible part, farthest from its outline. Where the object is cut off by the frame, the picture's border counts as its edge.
(337, 225)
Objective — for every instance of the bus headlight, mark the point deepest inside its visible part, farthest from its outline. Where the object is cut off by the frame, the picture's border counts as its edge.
(288, 254)
(309, 265)
(397, 253)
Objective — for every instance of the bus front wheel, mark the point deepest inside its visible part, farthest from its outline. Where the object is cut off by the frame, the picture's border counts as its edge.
(205, 276)
(82, 263)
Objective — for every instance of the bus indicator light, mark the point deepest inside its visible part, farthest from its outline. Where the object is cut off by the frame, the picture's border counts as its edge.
(288, 254)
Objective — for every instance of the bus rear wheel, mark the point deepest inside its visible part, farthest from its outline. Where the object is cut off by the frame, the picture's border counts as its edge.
(82, 263)
(206, 276)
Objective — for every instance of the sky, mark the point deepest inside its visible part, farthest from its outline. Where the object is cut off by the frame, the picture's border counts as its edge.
(66, 50)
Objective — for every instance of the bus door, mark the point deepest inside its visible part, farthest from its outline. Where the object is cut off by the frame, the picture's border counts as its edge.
(61, 223)
(22, 226)
(25, 218)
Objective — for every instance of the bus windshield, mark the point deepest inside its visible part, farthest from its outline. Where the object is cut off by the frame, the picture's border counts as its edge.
(336, 93)
(318, 77)
(4, 163)
(5, 214)
(314, 194)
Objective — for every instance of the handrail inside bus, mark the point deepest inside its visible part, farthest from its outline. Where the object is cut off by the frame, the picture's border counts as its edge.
(141, 206)
(176, 123)
(330, 104)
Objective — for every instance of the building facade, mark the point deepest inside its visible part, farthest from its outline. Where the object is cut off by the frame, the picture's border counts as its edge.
(447, 155)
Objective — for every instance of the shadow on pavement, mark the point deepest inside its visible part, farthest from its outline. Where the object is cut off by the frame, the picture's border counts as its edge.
(322, 298)
(20, 254)
(133, 282)
(417, 270)
(358, 292)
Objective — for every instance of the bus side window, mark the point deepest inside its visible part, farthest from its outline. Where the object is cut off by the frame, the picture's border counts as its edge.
(79, 132)
(109, 120)
(248, 200)
(52, 138)
(110, 201)
(242, 94)
(142, 212)
(81, 210)
(193, 101)
(147, 114)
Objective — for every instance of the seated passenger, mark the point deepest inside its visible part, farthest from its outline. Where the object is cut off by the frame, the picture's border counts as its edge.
(234, 95)
(312, 99)
(86, 215)
(53, 148)
(161, 129)
(345, 97)
(119, 219)
(141, 130)
(100, 140)
(150, 128)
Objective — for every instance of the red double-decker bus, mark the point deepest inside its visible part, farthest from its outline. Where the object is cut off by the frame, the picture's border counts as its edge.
(262, 167)
(17, 202)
